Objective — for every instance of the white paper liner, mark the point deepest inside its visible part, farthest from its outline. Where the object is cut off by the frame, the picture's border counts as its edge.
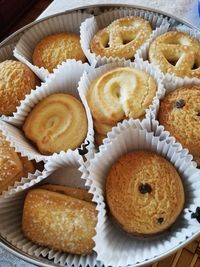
(88, 78)
(142, 53)
(63, 171)
(171, 83)
(6, 52)
(92, 25)
(57, 24)
(114, 247)
(65, 79)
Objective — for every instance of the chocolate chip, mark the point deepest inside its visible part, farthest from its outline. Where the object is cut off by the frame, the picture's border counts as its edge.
(160, 220)
(198, 113)
(84, 150)
(196, 214)
(145, 188)
(180, 103)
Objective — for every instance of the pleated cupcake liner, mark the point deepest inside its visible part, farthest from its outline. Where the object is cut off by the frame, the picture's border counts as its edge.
(142, 53)
(21, 184)
(65, 79)
(6, 52)
(171, 83)
(88, 78)
(61, 23)
(92, 25)
(61, 171)
(116, 248)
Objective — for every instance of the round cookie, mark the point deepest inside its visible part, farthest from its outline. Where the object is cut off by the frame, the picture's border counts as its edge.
(179, 113)
(176, 53)
(57, 123)
(16, 80)
(54, 49)
(144, 201)
(121, 38)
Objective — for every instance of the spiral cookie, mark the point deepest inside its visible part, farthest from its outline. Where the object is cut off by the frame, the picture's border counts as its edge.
(176, 53)
(56, 123)
(143, 201)
(121, 38)
(118, 94)
(54, 49)
(16, 80)
(179, 112)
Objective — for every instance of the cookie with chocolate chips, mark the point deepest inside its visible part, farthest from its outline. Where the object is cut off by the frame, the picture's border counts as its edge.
(144, 193)
(179, 113)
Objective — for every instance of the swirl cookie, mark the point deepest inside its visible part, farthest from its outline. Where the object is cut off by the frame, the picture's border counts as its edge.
(179, 113)
(121, 38)
(144, 201)
(58, 122)
(16, 80)
(176, 53)
(118, 94)
(66, 214)
(13, 166)
(54, 49)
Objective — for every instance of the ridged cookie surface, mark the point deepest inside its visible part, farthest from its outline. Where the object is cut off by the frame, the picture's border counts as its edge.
(144, 193)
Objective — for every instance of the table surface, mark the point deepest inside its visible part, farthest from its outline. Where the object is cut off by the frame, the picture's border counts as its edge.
(184, 9)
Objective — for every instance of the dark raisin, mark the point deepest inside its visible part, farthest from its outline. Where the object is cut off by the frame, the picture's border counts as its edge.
(180, 103)
(84, 150)
(145, 188)
(160, 220)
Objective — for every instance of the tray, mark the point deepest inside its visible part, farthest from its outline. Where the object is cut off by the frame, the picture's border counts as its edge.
(187, 256)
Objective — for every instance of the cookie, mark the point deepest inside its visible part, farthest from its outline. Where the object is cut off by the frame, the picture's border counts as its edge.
(13, 165)
(176, 53)
(56, 48)
(60, 218)
(118, 94)
(144, 201)
(16, 80)
(56, 123)
(121, 38)
(179, 113)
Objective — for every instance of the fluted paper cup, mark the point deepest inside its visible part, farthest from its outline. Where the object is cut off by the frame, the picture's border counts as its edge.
(92, 25)
(63, 171)
(88, 78)
(142, 53)
(64, 80)
(116, 248)
(61, 23)
(6, 52)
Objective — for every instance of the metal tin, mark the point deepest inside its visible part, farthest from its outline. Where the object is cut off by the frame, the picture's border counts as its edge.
(40, 261)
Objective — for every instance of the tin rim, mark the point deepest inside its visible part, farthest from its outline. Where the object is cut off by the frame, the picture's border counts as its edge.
(40, 261)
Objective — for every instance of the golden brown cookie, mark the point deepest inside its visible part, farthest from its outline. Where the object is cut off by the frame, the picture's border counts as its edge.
(16, 80)
(121, 38)
(57, 123)
(176, 53)
(144, 201)
(12, 165)
(118, 94)
(179, 113)
(60, 219)
(54, 49)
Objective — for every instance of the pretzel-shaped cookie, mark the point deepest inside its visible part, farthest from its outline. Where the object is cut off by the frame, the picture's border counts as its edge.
(176, 53)
(121, 38)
